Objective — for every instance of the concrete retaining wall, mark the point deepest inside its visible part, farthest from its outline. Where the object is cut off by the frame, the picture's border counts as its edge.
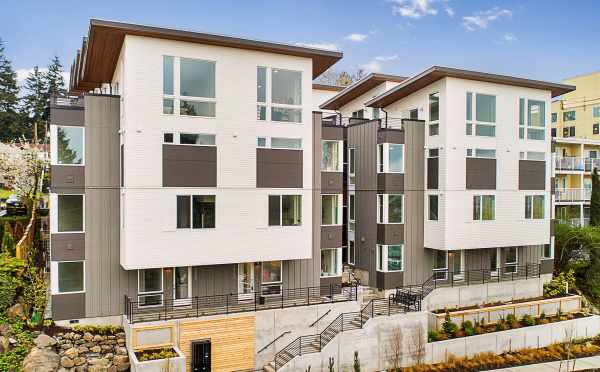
(514, 339)
(448, 297)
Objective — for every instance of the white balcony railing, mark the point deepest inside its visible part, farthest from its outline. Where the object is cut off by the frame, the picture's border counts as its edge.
(572, 195)
(573, 163)
(579, 222)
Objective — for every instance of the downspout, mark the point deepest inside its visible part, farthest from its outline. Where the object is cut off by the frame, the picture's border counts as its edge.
(339, 114)
(386, 117)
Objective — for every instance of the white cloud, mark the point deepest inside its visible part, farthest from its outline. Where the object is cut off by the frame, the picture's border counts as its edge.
(386, 58)
(23, 73)
(372, 66)
(509, 37)
(376, 63)
(359, 38)
(416, 9)
(482, 19)
(320, 45)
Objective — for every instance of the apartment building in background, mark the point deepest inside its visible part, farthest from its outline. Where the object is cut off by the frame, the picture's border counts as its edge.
(576, 137)
(195, 175)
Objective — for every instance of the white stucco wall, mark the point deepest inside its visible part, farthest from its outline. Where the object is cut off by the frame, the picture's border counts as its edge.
(242, 234)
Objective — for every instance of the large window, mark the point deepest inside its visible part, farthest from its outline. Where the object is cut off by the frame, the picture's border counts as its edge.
(536, 119)
(195, 89)
(433, 207)
(390, 257)
(285, 210)
(390, 208)
(596, 111)
(510, 260)
(331, 211)
(271, 278)
(330, 156)
(70, 213)
(279, 143)
(69, 277)
(481, 153)
(150, 287)
(484, 207)
(434, 114)
(485, 115)
(189, 139)
(69, 145)
(390, 158)
(284, 100)
(569, 115)
(534, 207)
(195, 211)
(331, 262)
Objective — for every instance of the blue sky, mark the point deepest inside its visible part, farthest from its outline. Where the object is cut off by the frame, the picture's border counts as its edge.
(547, 40)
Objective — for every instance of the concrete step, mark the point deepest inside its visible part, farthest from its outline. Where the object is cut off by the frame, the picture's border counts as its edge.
(269, 367)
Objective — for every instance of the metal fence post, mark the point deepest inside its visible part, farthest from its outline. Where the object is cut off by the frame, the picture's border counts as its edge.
(331, 291)
(226, 304)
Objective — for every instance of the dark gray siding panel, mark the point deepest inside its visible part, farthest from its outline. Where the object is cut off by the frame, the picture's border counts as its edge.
(546, 266)
(390, 182)
(68, 306)
(72, 116)
(189, 166)
(390, 136)
(331, 236)
(417, 265)
(390, 280)
(481, 174)
(106, 281)
(68, 247)
(390, 233)
(332, 133)
(433, 173)
(532, 175)
(215, 280)
(278, 168)
(67, 176)
(332, 182)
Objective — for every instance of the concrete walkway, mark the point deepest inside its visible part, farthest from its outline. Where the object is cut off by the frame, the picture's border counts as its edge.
(581, 364)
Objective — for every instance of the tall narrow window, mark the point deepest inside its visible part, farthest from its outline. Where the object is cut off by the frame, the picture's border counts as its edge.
(521, 118)
(331, 262)
(168, 75)
(511, 260)
(536, 119)
(390, 257)
(261, 93)
(390, 208)
(433, 207)
(271, 278)
(484, 207)
(534, 207)
(330, 210)
(352, 166)
(70, 213)
(434, 114)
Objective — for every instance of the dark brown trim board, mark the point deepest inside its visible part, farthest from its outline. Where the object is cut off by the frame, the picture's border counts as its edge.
(480, 174)
(389, 183)
(279, 168)
(332, 182)
(189, 166)
(68, 306)
(389, 135)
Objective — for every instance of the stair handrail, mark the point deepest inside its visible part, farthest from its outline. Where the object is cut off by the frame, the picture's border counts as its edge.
(274, 340)
(319, 318)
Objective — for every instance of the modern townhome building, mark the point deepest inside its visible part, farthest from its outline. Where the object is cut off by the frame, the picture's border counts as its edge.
(206, 194)
(576, 137)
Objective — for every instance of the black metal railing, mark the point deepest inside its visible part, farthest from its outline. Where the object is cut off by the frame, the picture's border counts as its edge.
(272, 342)
(156, 306)
(344, 322)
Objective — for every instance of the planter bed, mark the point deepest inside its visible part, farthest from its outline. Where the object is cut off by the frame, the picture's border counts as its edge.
(469, 329)
(157, 360)
(490, 361)
(500, 303)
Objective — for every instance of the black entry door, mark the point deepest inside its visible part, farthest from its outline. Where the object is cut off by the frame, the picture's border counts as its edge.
(201, 356)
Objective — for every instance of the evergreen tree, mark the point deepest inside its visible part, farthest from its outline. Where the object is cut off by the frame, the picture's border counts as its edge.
(35, 101)
(54, 78)
(10, 119)
(595, 200)
(8, 243)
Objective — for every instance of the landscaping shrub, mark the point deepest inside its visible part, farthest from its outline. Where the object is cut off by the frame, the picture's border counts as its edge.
(98, 329)
(9, 246)
(147, 355)
(8, 291)
(558, 285)
(449, 327)
(468, 328)
(527, 320)
(433, 336)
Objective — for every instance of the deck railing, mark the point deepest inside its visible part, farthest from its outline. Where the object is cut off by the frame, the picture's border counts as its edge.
(157, 306)
(572, 195)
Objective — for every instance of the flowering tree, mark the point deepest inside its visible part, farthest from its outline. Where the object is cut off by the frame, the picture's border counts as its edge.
(23, 171)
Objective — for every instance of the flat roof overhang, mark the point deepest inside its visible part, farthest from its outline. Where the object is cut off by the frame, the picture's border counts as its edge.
(357, 89)
(95, 63)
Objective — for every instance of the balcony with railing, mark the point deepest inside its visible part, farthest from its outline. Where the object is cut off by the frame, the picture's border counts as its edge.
(572, 195)
(575, 164)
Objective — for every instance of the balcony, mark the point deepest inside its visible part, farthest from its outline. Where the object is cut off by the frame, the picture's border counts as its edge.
(572, 195)
(578, 222)
(575, 164)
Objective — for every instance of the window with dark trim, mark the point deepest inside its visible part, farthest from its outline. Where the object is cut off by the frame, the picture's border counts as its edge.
(195, 211)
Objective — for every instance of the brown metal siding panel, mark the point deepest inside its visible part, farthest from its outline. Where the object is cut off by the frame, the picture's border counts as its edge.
(332, 133)
(532, 175)
(481, 174)
(72, 116)
(417, 265)
(67, 247)
(332, 182)
(67, 177)
(390, 136)
(390, 280)
(214, 280)
(390, 233)
(68, 306)
(279, 168)
(390, 183)
(331, 236)
(189, 166)
(106, 281)
(546, 266)
(433, 173)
